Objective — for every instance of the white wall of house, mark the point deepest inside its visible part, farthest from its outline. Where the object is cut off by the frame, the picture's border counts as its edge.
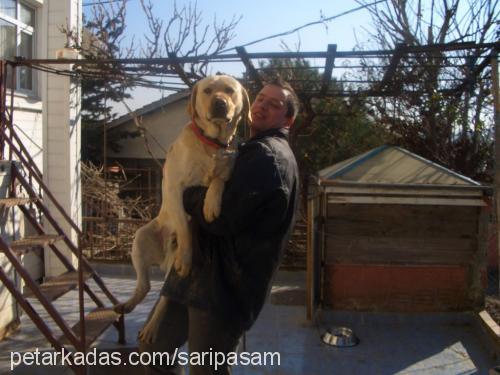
(28, 122)
(61, 121)
(163, 126)
(47, 120)
(9, 229)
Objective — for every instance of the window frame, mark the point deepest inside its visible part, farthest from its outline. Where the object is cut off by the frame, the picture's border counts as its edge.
(22, 27)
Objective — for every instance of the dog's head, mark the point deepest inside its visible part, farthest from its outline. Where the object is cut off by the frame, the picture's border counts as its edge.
(217, 104)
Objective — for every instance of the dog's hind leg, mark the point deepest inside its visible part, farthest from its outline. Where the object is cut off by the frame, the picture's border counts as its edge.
(141, 290)
(147, 249)
(149, 332)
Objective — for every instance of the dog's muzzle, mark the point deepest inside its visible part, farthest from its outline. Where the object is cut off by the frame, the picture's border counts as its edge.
(219, 108)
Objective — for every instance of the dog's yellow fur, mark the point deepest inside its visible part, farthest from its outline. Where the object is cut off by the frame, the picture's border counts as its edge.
(166, 240)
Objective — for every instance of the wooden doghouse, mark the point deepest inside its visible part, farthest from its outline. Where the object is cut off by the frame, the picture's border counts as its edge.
(391, 231)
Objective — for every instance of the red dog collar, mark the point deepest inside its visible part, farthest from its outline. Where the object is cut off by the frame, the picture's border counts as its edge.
(213, 142)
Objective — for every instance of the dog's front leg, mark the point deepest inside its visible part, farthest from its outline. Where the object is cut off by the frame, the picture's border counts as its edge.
(184, 252)
(223, 162)
(181, 226)
(213, 199)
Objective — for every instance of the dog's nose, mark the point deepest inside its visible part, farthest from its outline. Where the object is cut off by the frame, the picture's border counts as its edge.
(219, 108)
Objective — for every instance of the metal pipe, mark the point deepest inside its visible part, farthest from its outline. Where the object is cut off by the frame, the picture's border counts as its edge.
(260, 55)
(496, 109)
(324, 218)
(104, 203)
(11, 115)
(81, 299)
(120, 326)
(3, 103)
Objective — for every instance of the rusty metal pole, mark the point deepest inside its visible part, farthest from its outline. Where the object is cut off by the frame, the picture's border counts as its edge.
(11, 114)
(81, 296)
(3, 109)
(81, 299)
(104, 204)
(496, 164)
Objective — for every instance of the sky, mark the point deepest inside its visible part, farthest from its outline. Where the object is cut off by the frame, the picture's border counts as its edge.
(260, 18)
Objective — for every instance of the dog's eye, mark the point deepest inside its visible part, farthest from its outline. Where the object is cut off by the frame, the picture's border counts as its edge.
(207, 91)
(229, 90)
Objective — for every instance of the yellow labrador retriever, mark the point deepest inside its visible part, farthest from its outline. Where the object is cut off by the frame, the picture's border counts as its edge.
(199, 156)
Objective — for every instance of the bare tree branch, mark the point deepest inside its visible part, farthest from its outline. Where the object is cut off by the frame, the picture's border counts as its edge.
(452, 129)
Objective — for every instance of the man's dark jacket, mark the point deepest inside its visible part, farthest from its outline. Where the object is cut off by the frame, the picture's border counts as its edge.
(235, 257)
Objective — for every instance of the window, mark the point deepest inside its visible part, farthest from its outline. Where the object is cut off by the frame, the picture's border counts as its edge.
(17, 27)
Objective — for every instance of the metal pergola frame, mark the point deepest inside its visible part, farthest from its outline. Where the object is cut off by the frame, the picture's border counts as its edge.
(486, 54)
(173, 67)
(476, 56)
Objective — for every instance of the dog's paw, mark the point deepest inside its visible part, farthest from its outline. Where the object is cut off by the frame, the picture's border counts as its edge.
(123, 308)
(213, 200)
(211, 209)
(148, 334)
(182, 264)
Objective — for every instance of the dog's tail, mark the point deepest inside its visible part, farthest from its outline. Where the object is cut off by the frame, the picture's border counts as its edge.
(147, 249)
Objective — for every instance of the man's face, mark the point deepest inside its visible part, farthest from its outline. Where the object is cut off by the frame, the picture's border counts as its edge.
(269, 109)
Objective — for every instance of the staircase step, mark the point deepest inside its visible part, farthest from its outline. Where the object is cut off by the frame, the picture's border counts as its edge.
(55, 287)
(11, 202)
(96, 323)
(32, 241)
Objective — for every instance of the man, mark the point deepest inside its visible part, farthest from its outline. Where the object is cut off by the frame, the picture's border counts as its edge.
(235, 256)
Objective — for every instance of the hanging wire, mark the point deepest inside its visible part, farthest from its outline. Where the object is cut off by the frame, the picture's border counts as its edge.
(322, 21)
(100, 3)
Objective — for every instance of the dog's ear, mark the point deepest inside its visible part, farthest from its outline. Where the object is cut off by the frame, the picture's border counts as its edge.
(246, 106)
(192, 102)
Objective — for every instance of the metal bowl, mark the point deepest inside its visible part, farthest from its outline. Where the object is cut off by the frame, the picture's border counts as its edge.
(340, 336)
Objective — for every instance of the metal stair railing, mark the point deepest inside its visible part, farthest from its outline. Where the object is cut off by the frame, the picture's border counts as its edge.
(9, 137)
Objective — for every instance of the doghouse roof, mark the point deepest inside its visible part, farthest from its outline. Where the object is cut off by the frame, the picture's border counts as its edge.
(393, 165)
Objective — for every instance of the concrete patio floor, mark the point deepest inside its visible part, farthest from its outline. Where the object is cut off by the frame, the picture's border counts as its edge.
(389, 343)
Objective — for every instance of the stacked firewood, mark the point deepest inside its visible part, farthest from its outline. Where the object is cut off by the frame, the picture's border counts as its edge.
(109, 220)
